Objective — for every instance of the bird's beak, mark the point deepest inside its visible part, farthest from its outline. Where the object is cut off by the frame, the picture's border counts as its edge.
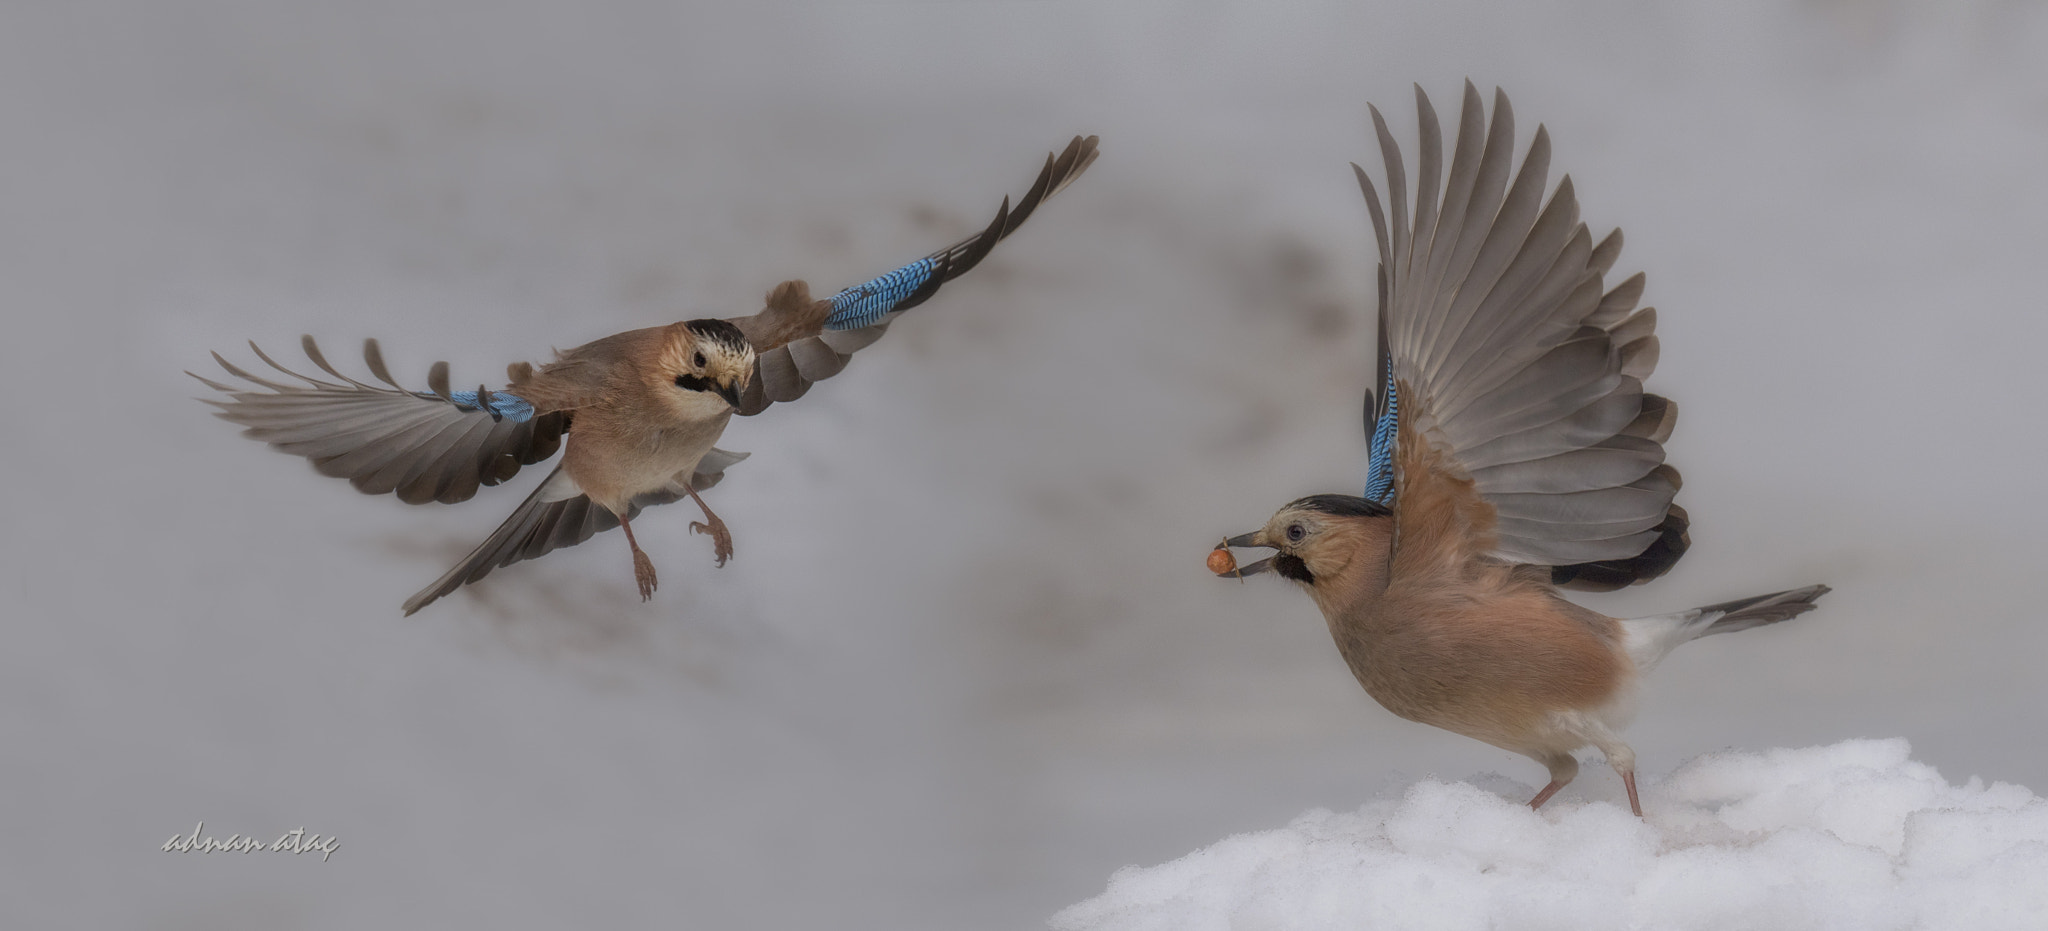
(1263, 565)
(1255, 538)
(730, 391)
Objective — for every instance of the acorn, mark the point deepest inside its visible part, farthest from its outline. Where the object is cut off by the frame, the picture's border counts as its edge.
(1221, 562)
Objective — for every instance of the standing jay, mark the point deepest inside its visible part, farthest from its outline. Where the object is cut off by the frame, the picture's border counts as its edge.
(1512, 451)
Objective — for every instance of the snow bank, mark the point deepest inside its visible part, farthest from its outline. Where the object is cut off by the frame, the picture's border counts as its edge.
(1853, 836)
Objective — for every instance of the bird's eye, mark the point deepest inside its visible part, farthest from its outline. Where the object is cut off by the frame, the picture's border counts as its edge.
(697, 360)
(1295, 532)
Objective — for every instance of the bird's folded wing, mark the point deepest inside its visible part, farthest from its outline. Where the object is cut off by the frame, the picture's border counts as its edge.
(556, 515)
(799, 341)
(424, 446)
(1502, 350)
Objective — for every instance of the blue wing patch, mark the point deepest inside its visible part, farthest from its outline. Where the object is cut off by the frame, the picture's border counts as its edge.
(1379, 472)
(862, 305)
(498, 404)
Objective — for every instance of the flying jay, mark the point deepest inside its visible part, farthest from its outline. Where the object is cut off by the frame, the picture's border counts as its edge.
(636, 414)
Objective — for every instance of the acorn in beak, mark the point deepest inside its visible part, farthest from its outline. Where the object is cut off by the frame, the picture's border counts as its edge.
(1225, 565)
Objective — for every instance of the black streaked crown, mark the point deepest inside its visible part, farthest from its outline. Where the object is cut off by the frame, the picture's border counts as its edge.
(723, 332)
(1343, 506)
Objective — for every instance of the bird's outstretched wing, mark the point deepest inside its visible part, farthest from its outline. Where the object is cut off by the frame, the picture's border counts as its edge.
(799, 341)
(1504, 361)
(555, 515)
(438, 445)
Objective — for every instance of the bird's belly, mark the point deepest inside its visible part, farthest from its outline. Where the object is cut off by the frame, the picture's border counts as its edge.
(612, 472)
(1483, 712)
(1493, 676)
(643, 471)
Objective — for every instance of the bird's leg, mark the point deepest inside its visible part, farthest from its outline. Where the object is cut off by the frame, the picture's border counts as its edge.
(1545, 795)
(643, 568)
(1623, 758)
(721, 538)
(1563, 769)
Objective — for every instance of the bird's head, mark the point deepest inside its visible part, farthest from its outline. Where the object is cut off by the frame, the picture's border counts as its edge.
(710, 361)
(1318, 537)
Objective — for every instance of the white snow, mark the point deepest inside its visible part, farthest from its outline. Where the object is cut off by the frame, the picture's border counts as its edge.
(1857, 835)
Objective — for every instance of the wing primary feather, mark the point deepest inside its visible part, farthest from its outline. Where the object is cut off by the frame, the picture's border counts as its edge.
(210, 383)
(373, 356)
(961, 257)
(958, 263)
(1617, 302)
(245, 376)
(1489, 185)
(1379, 219)
(785, 370)
(440, 446)
(1606, 252)
(1397, 193)
(1031, 198)
(1428, 181)
(267, 360)
(1420, 336)
(1510, 246)
(437, 381)
(1533, 313)
(1495, 164)
(312, 350)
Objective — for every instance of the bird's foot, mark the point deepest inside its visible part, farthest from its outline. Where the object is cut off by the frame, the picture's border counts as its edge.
(643, 573)
(721, 538)
(1634, 804)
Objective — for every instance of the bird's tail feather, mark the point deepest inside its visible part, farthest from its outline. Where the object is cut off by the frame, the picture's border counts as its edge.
(1745, 613)
(545, 521)
(556, 515)
(1649, 639)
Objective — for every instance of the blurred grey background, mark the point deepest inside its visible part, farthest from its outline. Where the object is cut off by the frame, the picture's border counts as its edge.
(967, 661)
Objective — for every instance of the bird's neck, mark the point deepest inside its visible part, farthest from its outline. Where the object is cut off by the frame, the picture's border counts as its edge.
(1360, 581)
(696, 407)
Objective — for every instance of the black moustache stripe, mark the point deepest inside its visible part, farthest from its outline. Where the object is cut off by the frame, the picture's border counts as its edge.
(1291, 566)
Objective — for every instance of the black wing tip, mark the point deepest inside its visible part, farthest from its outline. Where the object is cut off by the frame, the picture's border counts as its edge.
(1078, 155)
(1060, 170)
(1673, 539)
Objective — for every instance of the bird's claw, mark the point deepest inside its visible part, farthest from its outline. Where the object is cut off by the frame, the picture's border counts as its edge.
(643, 573)
(721, 538)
